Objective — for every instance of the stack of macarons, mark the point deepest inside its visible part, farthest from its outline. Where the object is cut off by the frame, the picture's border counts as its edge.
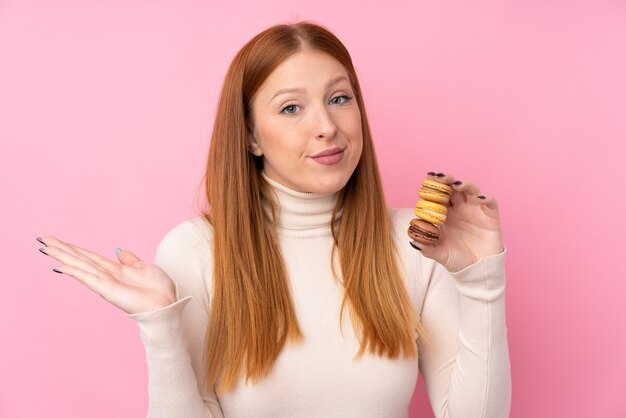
(430, 211)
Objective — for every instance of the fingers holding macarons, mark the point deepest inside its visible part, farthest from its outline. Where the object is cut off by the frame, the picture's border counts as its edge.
(439, 193)
(467, 190)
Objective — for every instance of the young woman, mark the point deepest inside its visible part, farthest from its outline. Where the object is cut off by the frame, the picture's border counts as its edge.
(296, 293)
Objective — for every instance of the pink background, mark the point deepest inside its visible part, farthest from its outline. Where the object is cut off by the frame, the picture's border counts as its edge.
(105, 114)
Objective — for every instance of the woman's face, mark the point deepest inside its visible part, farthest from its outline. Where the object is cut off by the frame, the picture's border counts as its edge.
(306, 107)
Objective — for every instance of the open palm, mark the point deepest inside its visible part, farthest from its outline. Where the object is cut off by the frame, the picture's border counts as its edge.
(131, 284)
(471, 230)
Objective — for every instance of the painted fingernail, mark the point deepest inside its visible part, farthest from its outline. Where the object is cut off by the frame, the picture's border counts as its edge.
(431, 173)
(415, 246)
(481, 197)
(440, 174)
(57, 271)
(43, 250)
(118, 251)
(457, 183)
(41, 240)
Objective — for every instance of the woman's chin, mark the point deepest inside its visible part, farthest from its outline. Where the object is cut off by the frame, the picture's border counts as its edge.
(329, 185)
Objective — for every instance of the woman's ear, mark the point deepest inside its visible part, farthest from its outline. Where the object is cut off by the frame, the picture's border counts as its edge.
(253, 145)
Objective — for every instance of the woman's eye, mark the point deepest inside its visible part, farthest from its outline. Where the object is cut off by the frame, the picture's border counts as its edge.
(343, 96)
(289, 109)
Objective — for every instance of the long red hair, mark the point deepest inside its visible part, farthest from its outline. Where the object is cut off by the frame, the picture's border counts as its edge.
(251, 311)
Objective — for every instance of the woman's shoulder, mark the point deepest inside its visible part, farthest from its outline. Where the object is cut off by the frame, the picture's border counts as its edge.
(400, 217)
(399, 221)
(189, 235)
(185, 254)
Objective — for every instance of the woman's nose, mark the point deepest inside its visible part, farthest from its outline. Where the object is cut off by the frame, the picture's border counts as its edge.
(326, 126)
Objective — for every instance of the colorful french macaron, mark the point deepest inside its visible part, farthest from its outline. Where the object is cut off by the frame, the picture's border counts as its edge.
(432, 212)
(423, 232)
(435, 191)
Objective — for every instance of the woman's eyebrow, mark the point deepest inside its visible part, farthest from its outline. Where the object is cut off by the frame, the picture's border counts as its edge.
(300, 89)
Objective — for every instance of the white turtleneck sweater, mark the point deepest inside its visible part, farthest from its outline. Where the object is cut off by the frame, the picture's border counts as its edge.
(467, 375)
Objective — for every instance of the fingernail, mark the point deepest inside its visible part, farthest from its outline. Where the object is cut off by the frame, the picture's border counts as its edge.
(57, 271)
(118, 251)
(457, 183)
(415, 246)
(431, 173)
(481, 197)
(40, 240)
(440, 174)
(42, 250)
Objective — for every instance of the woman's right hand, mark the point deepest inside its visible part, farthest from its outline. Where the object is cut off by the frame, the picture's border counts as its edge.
(131, 284)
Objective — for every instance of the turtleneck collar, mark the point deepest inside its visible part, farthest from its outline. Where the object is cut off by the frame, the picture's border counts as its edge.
(301, 214)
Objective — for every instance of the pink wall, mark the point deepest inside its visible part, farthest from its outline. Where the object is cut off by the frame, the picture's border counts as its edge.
(105, 115)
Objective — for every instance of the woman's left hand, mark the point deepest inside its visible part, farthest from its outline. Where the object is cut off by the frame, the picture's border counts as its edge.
(471, 230)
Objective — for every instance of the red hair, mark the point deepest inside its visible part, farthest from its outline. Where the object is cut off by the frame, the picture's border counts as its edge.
(252, 314)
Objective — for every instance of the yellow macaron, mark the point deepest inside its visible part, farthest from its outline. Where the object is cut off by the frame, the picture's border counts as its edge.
(431, 212)
(435, 191)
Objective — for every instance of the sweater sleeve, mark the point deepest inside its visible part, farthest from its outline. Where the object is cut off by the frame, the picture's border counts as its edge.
(173, 335)
(467, 370)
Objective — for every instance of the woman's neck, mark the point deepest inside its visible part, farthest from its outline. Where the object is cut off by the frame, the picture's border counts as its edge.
(299, 213)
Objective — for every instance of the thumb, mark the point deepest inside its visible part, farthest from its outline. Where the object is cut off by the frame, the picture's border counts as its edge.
(126, 257)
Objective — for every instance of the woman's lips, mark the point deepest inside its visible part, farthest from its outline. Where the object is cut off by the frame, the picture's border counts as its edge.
(329, 157)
